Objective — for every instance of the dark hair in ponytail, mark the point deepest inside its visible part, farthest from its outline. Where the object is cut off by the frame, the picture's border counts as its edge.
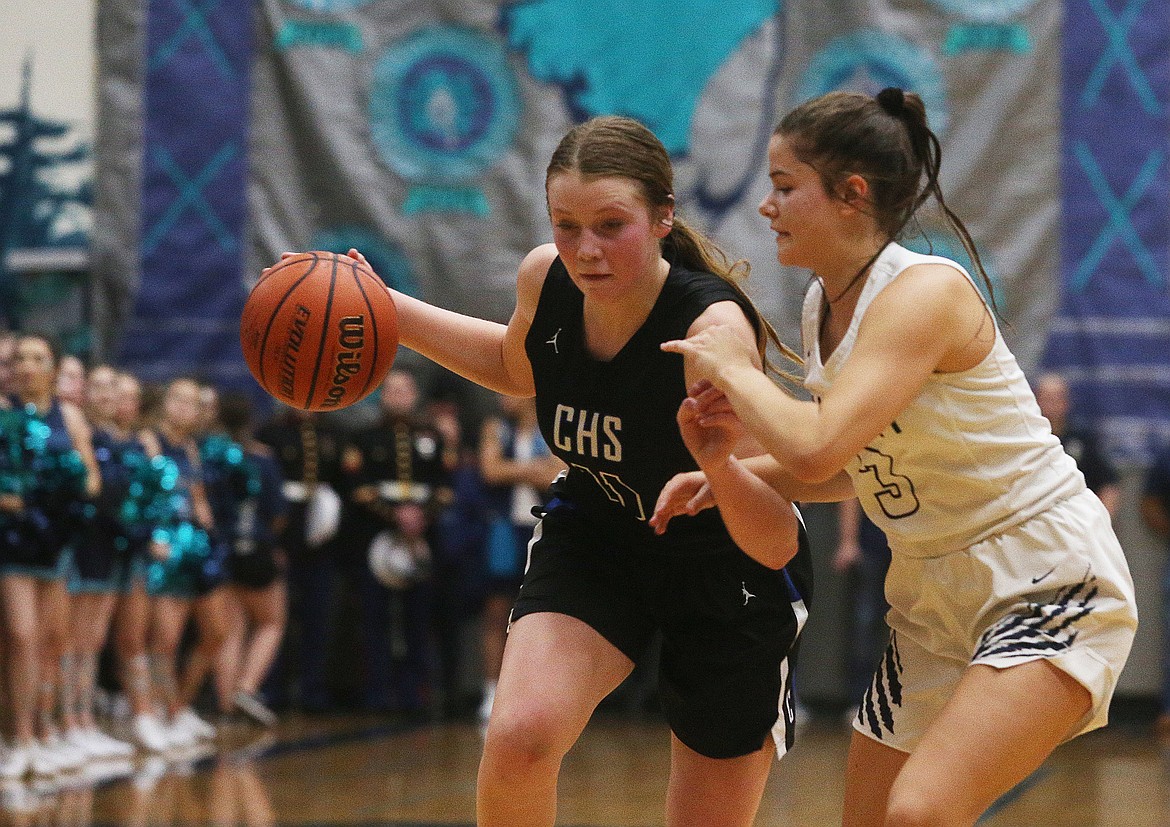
(884, 139)
(620, 147)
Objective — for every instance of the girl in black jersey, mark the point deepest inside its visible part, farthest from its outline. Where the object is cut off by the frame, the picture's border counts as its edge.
(727, 592)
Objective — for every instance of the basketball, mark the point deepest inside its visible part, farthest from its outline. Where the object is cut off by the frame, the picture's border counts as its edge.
(319, 331)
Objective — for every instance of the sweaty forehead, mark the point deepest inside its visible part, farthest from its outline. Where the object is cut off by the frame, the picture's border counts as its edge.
(572, 193)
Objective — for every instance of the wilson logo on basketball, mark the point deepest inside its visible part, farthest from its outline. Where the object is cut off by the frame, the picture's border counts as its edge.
(292, 346)
(319, 330)
(351, 336)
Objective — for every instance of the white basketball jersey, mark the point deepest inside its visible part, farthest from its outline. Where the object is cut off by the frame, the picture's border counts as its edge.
(970, 456)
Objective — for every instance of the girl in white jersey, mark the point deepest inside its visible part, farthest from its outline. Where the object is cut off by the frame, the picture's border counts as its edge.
(1012, 605)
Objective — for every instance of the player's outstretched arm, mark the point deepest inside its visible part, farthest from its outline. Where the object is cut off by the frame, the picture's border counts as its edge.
(488, 353)
(835, 489)
(689, 493)
(761, 521)
(931, 318)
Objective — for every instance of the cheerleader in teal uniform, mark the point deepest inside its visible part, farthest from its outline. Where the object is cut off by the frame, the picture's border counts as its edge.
(47, 476)
(178, 582)
(116, 536)
(253, 514)
(146, 514)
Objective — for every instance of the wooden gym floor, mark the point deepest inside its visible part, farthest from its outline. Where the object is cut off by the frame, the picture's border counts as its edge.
(349, 770)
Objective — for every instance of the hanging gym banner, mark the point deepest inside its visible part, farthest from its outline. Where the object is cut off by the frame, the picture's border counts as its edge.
(1112, 334)
(419, 133)
(184, 152)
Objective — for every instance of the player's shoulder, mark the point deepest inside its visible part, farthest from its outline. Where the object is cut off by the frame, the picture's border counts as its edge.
(537, 262)
(929, 287)
(940, 270)
(533, 271)
(713, 298)
(725, 312)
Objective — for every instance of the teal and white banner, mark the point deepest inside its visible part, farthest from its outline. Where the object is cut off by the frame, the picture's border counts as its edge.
(422, 137)
(419, 132)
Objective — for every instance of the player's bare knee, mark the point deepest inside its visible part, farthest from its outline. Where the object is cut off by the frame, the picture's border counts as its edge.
(916, 807)
(519, 742)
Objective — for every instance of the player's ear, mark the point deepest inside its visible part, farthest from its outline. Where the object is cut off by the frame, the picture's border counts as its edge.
(665, 222)
(854, 191)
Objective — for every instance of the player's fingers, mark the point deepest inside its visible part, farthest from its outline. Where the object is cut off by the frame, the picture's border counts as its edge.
(663, 513)
(702, 500)
(711, 400)
(698, 387)
(671, 500)
(719, 419)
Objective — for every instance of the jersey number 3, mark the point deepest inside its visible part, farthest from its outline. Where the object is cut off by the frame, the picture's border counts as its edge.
(895, 492)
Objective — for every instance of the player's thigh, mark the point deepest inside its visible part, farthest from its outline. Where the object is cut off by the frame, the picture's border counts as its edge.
(870, 771)
(725, 791)
(997, 727)
(556, 670)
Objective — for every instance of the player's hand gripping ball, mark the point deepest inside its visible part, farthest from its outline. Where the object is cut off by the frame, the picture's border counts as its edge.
(319, 331)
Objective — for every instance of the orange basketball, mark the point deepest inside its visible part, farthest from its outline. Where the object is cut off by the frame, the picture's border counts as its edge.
(319, 331)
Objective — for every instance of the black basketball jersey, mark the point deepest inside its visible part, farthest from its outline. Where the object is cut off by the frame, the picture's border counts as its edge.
(613, 422)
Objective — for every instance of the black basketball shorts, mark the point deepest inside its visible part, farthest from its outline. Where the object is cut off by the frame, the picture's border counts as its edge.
(728, 627)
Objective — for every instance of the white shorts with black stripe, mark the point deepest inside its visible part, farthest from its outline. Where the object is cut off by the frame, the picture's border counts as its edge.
(1055, 587)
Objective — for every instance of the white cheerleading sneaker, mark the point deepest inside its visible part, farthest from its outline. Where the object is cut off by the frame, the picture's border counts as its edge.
(150, 733)
(15, 761)
(80, 739)
(67, 756)
(187, 719)
(114, 747)
(254, 708)
(44, 761)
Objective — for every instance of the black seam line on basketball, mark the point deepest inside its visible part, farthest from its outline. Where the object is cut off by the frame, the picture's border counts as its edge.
(276, 310)
(324, 334)
(291, 260)
(373, 329)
